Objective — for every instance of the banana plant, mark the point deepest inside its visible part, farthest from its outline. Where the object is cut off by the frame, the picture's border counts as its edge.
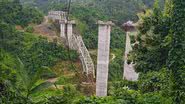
(29, 82)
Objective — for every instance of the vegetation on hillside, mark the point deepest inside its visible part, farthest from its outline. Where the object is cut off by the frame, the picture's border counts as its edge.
(14, 13)
(161, 41)
(28, 61)
(17, 83)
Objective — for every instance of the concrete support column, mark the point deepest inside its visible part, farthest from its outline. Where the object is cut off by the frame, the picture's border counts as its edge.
(63, 29)
(103, 57)
(129, 70)
(70, 33)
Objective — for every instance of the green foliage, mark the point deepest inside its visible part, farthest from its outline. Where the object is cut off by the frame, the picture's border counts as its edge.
(10, 38)
(88, 27)
(161, 44)
(9, 10)
(117, 38)
(9, 97)
(176, 56)
(125, 96)
(154, 82)
(34, 53)
(116, 65)
(119, 11)
(6, 67)
(46, 5)
(151, 52)
(115, 72)
(126, 92)
(69, 96)
(28, 81)
(154, 98)
(30, 29)
(14, 13)
(122, 84)
(150, 3)
(44, 53)
(65, 80)
(97, 100)
(28, 16)
(56, 100)
(87, 13)
(47, 95)
(32, 15)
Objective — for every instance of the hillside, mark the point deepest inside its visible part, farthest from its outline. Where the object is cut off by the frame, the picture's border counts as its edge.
(126, 10)
(37, 67)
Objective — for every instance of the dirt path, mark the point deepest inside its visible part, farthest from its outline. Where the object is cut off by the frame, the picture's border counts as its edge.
(52, 80)
(44, 29)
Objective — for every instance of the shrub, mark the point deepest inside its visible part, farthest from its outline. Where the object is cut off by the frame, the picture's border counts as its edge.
(70, 94)
(97, 100)
(121, 84)
(30, 29)
(154, 98)
(125, 96)
(153, 81)
(12, 97)
(56, 100)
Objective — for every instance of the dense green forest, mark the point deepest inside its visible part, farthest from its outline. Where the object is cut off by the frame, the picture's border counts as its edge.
(28, 60)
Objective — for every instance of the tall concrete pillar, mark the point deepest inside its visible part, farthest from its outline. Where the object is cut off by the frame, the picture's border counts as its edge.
(63, 29)
(129, 70)
(70, 33)
(103, 57)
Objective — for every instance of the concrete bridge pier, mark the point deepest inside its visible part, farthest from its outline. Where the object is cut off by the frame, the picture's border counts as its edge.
(62, 29)
(129, 70)
(103, 57)
(70, 33)
(75, 42)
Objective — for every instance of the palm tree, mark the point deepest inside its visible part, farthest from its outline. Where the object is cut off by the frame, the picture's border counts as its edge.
(28, 82)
